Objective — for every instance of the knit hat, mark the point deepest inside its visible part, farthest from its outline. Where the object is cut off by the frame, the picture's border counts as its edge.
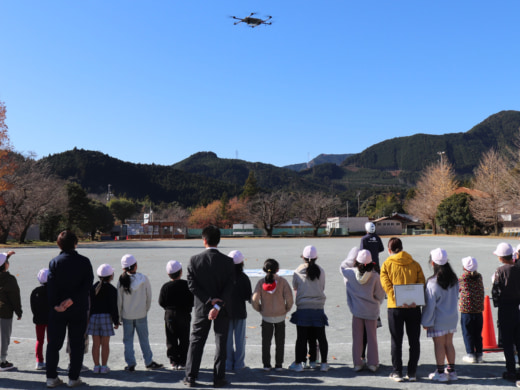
(3, 258)
(503, 249)
(470, 263)
(173, 266)
(439, 256)
(364, 257)
(128, 261)
(43, 274)
(237, 257)
(105, 270)
(310, 252)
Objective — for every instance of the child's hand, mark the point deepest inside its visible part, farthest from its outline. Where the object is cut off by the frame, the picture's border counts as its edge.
(63, 305)
(116, 326)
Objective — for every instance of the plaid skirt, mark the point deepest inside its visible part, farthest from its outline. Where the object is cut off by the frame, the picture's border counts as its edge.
(437, 333)
(100, 325)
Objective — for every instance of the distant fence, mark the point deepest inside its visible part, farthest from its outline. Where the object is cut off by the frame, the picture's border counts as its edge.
(277, 232)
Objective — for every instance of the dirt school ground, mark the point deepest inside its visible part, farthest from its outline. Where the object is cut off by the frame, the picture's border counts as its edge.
(152, 257)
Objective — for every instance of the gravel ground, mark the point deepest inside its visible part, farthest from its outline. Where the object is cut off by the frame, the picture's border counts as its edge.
(152, 257)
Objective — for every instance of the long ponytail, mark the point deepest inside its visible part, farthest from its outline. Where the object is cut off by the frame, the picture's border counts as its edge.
(125, 280)
(271, 267)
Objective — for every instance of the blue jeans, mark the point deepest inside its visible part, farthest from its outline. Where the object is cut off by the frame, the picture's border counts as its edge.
(141, 326)
(471, 324)
(236, 356)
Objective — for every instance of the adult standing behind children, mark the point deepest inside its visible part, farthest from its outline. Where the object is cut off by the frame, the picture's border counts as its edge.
(10, 302)
(211, 277)
(506, 296)
(372, 242)
(309, 317)
(68, 287)
(177, 301)
(401, 268)
(134, 298)
(237, 323)
(471, 306)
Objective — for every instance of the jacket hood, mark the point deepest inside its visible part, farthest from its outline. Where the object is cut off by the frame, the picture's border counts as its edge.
(363, 278)
(401, 258)
(136, 281)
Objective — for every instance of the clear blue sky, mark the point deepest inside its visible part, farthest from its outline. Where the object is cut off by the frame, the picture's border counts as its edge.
(154, 81)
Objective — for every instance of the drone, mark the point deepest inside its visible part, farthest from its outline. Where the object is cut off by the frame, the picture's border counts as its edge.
(252, 22)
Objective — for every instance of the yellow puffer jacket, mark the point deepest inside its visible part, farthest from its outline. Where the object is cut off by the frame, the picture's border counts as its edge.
(399, 268)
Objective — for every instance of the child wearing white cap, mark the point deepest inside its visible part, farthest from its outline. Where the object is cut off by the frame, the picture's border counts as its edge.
(104, 317)
(177, 301)
(440, 315)
(134, 298)
(471, 306)
(364, 297)
(40, 309)
(10, 302)
(506, 296)
(310, 318)
(242, 291)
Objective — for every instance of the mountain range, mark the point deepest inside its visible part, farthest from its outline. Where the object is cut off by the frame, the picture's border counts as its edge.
(392, 164)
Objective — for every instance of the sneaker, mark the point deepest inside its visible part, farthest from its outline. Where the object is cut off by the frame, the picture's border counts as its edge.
(452, 376)
(54, 382)
(298, 367)
(267, 368)
(4, 366)
(75, 383)
(312, 365)
(40, 366)
(278, 368)
(180, 367)
(372, 368)
(396, 376)
(104, 370)
(130, 368)
(358, 368)
(96, 369)
(469, 358)
(517, 383)
(324, 367)
(438, 376)
(480, 358)
(411, 378)
(154, 366)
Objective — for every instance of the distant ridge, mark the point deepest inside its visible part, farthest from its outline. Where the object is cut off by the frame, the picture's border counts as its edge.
(321, 159)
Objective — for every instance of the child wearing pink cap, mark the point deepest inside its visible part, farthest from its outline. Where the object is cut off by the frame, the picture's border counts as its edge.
(440, 314)
(104, 317)
(471, 306)
(177, 301)
(40, 309)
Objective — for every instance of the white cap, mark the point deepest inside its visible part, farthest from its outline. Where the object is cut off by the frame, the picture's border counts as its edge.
(173, 266)
(237, 257)
(128, 261)
(503, 249)
(364, 257)
(351, 257)
(439, 256)
(43, 274)
(105, 270)
(517, 248)
(3, 258)
(470, 263)
(370, 227)
(310, 252)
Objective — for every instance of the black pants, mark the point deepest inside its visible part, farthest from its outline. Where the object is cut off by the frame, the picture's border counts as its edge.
(268, 329)
(199, 335)
(302, 337)
(509, 320)
(177, 328)
(75, 322)
(398, 319)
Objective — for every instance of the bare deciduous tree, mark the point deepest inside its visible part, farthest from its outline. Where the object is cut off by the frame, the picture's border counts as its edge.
(315, 208)
(495, 179)
(437, 182)
(269, 210)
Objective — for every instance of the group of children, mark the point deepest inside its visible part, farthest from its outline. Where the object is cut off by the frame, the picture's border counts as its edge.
(272, 297)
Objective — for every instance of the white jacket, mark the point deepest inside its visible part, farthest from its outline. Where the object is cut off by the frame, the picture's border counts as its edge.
(135, 305)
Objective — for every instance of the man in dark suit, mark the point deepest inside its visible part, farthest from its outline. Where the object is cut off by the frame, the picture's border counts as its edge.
(211, 276)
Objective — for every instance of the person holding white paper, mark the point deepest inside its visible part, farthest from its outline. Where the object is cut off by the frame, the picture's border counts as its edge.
(401, 268)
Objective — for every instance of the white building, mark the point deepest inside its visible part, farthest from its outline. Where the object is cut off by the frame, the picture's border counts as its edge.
(347, 225)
